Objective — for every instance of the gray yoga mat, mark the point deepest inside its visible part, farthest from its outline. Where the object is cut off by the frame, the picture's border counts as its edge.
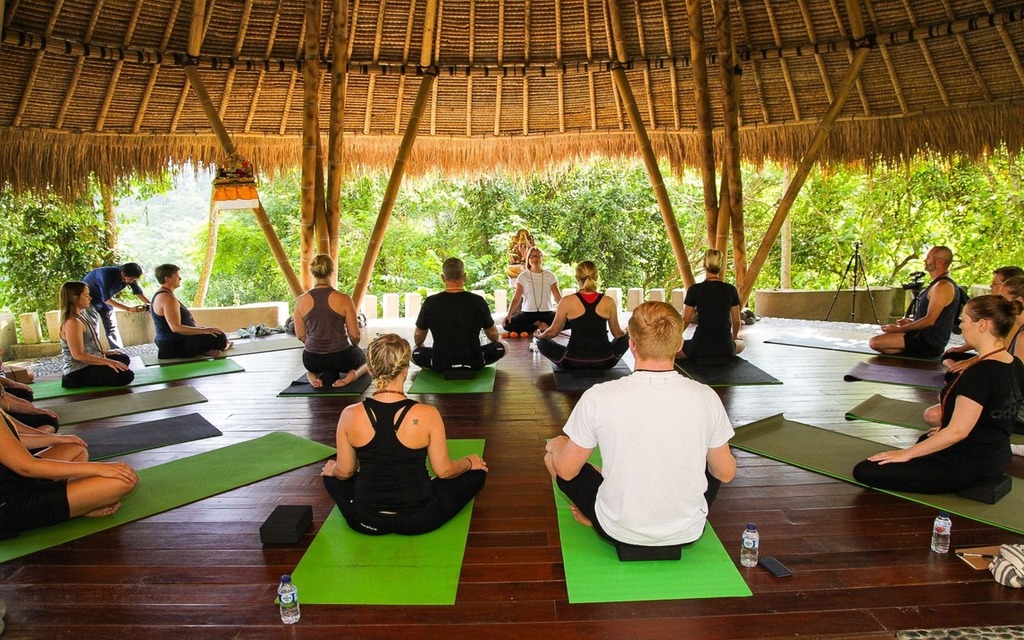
(568, 381)
(905, 376)
(732, 372)
(301, 388)
(241, 347)
(126, 404)
(116, 441)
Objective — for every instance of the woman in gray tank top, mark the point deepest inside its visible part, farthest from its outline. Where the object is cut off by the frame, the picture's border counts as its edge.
(85, 362)
(325, 321)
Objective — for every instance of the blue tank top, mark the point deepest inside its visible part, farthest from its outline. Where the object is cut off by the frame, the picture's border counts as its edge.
(160, 326)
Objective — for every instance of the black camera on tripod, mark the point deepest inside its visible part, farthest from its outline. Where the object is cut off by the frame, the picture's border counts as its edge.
(916, 282)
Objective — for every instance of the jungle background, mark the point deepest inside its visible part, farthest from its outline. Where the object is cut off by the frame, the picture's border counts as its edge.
(601, 210)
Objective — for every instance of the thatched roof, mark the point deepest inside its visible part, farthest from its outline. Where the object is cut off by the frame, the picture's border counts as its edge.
(98, 85)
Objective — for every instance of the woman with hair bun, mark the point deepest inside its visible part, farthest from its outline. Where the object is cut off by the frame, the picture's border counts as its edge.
(380, 478)
(717, 306)
(326, 322)
(969, 443)
(592, 315)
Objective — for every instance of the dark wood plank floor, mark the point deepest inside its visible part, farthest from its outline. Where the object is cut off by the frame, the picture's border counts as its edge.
(861, 563)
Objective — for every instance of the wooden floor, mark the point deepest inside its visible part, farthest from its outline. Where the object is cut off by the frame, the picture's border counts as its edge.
(860, 559)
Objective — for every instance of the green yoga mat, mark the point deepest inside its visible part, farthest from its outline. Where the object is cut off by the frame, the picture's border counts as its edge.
(300, 388)
(900, 413)
(593, 572)
(241, 347)
(181, 482)
(834, 454)
(345, 567)
(733, 372)
(126, 404)
(428, 381)
(52, 388)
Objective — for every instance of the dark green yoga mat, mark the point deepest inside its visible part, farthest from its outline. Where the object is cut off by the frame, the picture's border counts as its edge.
(834, 454)
(52, 389)
(428, 381)
(301, 388)
(593, 572)
(849, 342)
(733, 372)
(126, 404)
(181, 482)
(345, 567)
(241, 347)
(904, 376)
(117, 441)
(901, 413)
(568, 381)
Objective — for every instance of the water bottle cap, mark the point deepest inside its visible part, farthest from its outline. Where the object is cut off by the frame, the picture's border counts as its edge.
(751, 527)
(943, 514)
(286, 578)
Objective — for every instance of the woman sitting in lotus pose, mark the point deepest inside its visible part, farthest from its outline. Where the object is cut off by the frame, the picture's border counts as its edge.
(535, 287)
(177, 334)
(85, 362)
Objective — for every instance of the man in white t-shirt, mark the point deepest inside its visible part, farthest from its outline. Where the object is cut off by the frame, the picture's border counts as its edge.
(664, 442)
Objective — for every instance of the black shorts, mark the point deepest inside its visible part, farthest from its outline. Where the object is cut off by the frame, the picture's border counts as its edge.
(35, 503)
(914, 344)
(582, 492)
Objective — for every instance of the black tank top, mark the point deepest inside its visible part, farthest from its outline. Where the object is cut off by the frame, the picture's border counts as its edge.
(937, 335)
(588, 339)
(392, 477)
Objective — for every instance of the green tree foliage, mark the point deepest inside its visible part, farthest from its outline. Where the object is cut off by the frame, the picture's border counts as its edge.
(43, 244)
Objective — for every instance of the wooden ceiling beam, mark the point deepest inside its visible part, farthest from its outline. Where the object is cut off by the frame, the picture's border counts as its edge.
(118, 66)
(313, 225)
(613, 47)
(526, 60)
(926, 53)
(754, 71)
(705, 125)
(968, 56)
(469, 79)
(293, 80)
(433, 53)
(258, 91)
(147, 93)
(229, 81)
(883, 49)
(501, 58)
(591, 89)
(794, 104)
(336, 125)
(652, 118)
(812, 36)
(837, 14)
(183, 97)
(37, 62)
(558, 61)
(378, 37)
(1011, 48)
(729, 69)
(666, 32)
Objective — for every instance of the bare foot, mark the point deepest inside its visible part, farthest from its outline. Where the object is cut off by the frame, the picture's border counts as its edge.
(229, 345)
(348, 379)
(104, 511)
(580, 518)
(213, 353)
(314, 380)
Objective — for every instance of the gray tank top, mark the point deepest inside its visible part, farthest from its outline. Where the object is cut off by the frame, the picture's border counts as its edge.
(90, 342)
(325, 328)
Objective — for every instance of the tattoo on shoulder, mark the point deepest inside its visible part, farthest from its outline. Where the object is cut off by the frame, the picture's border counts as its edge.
(415, 420)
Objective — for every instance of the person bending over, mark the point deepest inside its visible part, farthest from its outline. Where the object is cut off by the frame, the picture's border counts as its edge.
(535, 287)
(717, 305)
(592, 315)
(104, 285)
(454, 318)
(177, 335)
(326, 322)
(969, 443)
(664, 440)
(380, 480)
(926, 334)
(85, 363)
(57, 483)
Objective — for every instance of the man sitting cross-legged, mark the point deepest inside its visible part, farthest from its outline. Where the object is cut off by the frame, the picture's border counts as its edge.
(455, 317)
(664, 440)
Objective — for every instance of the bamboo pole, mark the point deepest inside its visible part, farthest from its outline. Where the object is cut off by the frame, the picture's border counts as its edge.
(728, 66)
(321, 235)
(310, 139)
(636, 122)
(395, 181)
(212, 228)
(786, 268)
(275, 247)
(109, 216)
(724, 215)
(804, 169)
(336, 127)
(209, 109)
(702, 100)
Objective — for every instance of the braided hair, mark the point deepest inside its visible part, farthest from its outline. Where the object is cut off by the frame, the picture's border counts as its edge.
(386, 356)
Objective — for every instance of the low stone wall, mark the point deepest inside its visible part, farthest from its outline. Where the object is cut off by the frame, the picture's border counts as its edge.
(890, 303)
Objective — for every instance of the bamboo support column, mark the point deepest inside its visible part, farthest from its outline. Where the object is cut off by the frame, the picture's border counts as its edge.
(724, 214)
(212, 229)
(702, 100)
(636, 122)
(277, 249)
(310, 139)
(336, 127)
(729, 68)
(806, 164)
(395, 181)
(109, 217)
(785, 269)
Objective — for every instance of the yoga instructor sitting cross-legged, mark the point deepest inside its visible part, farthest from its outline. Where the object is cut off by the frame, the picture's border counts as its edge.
(177, 334)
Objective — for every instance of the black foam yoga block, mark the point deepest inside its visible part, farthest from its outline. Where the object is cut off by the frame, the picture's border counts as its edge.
(989, 493)
(459, 374)
(633, 553)
(588, 373)
(287, 524)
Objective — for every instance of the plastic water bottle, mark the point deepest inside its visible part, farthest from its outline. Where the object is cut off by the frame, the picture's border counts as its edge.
(533, 345)
(252, 332)
(288, 595)
(940, 533)
(749, 548)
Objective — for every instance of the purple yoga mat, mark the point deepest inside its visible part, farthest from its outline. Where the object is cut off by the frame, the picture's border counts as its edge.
(906, 376)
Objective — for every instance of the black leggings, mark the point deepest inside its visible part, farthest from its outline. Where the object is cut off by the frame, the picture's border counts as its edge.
(331, 366)
(35, 420)
(559, 354)
(447, 500)
(489, 354)
(526, 321)
(920, 475)
(96, 375)
(182, 346)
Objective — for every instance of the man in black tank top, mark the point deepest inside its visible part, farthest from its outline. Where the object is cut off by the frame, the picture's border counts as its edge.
(926, 334)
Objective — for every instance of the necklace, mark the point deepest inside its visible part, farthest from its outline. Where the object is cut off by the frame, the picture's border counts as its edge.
(949, 389)
(536, 294)
(377, 393)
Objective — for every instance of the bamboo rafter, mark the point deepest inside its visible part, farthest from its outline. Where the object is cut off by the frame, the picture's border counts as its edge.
(890, 68)
(927, 54)
(155, 71)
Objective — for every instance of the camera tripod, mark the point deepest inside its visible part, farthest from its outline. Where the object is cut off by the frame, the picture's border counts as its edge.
(856, 264)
